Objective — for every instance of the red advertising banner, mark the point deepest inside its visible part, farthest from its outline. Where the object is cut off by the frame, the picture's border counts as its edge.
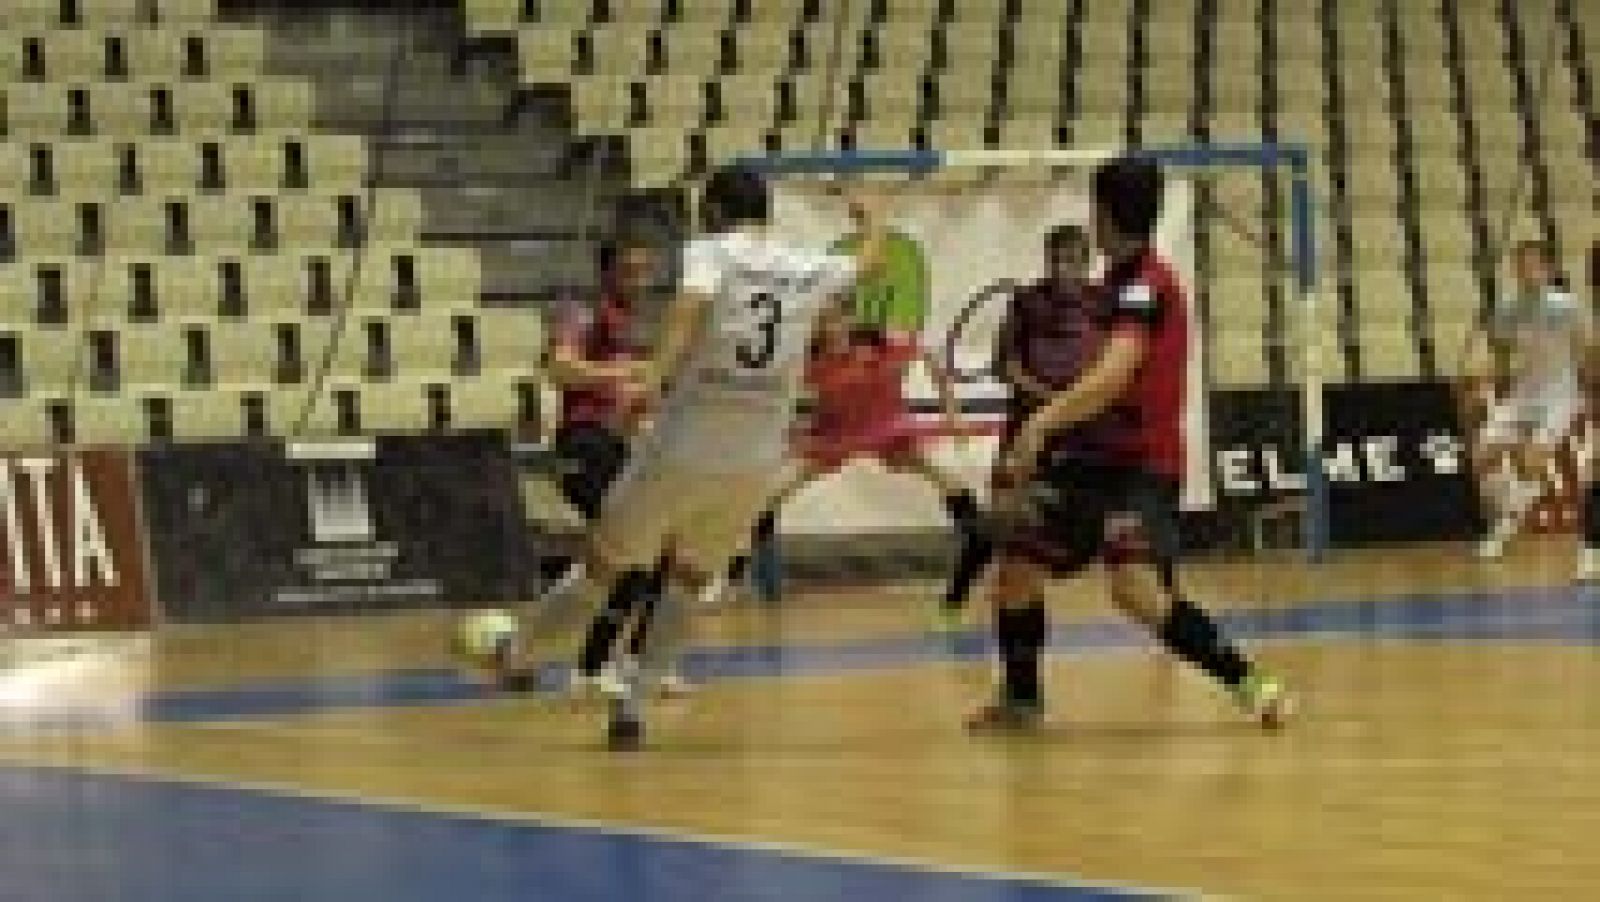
(72, 552)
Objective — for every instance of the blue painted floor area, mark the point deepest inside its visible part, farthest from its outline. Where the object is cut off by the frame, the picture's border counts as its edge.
(74, 837)
(67, 836)
(1557, 614)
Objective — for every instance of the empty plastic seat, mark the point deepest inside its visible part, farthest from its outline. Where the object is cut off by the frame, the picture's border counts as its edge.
(206, 415)
(692, 48)
(116, 420)
(398, 407)
(1236, 358)
(547, 54)
(601, 104)
(1389, 354)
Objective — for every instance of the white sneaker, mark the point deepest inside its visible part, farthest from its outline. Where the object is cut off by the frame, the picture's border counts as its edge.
(606, 685)
(1493, 546)
(674, 684)
(1589, 565)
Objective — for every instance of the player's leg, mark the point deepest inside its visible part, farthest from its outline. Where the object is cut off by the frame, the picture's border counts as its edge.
(1021, 627)
(973, 548)
(600, 455)
(709, 527)
(1589, 511)
(1508, 492)
(1141, 549)
(761, 562)
(618, 566)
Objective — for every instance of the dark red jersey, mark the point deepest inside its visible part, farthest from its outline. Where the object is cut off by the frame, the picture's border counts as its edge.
(604, 334)
(1143, 298)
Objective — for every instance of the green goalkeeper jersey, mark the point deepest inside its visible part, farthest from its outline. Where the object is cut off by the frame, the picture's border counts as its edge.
(896, 295)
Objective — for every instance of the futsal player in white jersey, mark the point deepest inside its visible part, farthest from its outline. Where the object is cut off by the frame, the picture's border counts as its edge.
(728, 372)
(1538, 338)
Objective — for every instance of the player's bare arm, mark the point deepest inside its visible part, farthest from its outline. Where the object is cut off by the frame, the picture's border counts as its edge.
(567, 368)
(1085, 398)
(942, 384)
(684, 318)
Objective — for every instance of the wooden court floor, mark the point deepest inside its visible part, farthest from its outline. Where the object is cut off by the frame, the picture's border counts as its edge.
(1445, 747)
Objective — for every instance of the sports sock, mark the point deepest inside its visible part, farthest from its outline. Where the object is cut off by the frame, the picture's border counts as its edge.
(1591, 516)
(561, 607)
(974, 550)
(669, 632)
(632, 590)
(1192, 635)
(1020, 633)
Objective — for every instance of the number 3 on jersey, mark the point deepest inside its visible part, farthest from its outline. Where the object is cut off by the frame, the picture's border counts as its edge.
(757, 348)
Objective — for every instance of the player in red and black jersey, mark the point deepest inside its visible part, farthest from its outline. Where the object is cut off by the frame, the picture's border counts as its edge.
(595, 359)
(1589, 557)
(1094, 471)
(1045, 340)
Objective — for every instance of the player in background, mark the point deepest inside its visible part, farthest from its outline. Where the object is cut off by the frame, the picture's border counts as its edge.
(593, 359)
(1037, 351)
(856, 375)
(1095, 470)
(1589, 557)
(726, 373)
(1531, 354)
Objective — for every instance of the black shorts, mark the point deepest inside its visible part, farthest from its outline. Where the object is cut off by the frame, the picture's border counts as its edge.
(595, 455)
(1082, 511)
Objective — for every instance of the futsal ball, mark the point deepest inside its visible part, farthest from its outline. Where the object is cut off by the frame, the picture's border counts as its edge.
(483, 635)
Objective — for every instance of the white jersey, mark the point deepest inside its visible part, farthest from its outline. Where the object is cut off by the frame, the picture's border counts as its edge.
(1538, 330)
(732, 401)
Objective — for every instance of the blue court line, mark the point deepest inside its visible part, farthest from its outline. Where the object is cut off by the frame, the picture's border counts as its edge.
(1553, 614)
(71, 836)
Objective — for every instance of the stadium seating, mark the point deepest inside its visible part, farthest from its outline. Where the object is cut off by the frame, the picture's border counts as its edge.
(185, 256)
(1402, 180)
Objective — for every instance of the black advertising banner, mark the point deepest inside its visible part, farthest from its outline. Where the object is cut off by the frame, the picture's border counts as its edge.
(1393, 453)
(74, 548)
(262, 529)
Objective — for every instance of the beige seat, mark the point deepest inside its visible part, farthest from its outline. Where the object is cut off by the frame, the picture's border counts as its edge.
(546, 53)
(200, 415)
(1236, 358)
(493, 16)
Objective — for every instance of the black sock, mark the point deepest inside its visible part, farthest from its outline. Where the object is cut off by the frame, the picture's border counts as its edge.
(974, 550)
(1192, 635)
(766, 527)
(1591, 516)
(630, 590)
(973, 555)
(963, 509)
(641, 626)
(1020, 633)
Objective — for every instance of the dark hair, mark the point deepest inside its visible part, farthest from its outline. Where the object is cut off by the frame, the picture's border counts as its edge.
(609, 252)
(736, 195)
(1066, 235)
(1534, 246)
(1128, 191)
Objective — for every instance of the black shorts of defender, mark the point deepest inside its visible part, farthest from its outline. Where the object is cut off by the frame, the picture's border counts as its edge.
(1083, 511)
(596, 455)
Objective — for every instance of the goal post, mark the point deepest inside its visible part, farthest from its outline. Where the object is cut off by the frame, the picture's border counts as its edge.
(1057, 179)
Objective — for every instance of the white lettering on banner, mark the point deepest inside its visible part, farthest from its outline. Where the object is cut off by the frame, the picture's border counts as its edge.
(1444, 452)
(1279, 477)
(1247, 471)
(1341, 464)
(90, 547)
(1234, 465)
(85, 538)
(1380, 457)
(21, 578)
(38, 473)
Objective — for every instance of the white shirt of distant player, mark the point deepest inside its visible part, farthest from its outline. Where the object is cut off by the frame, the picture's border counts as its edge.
(731, 403)
(1539, 329)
